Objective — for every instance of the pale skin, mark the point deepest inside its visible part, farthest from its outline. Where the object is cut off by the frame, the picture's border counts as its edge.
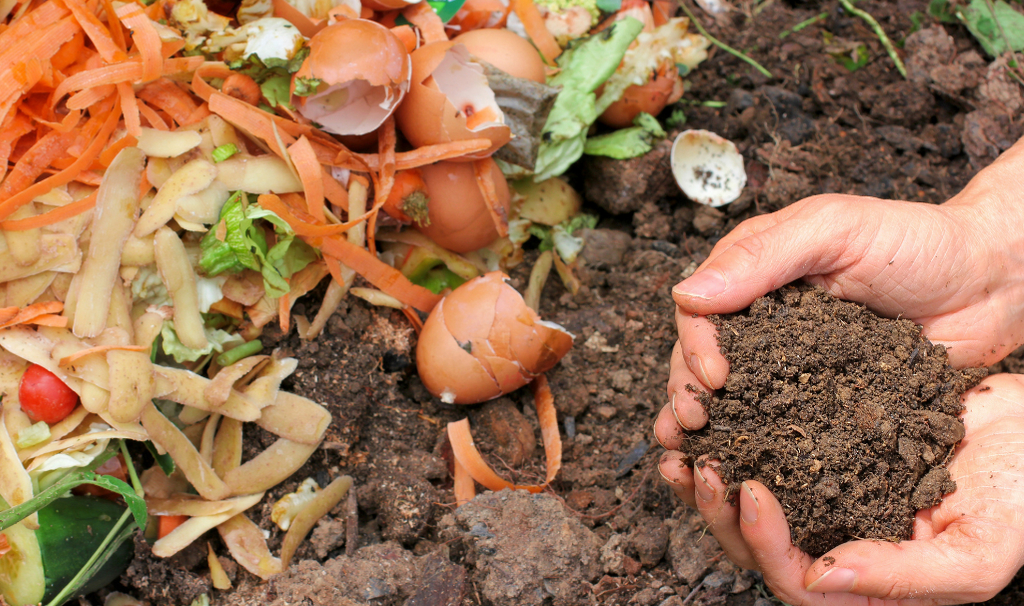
(957, 269)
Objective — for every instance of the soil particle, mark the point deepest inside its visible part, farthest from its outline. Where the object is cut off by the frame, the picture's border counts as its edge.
(507, 430)
(170, 581)
(649, 540)
(524, 549)
(622, 186)
(604, 248)
(847, 417)
(405, 504)
(692, 551)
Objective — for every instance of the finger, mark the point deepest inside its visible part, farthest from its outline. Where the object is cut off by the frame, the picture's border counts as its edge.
(969, 562)
(807, 240)
(723, 517)
(675, 470)
(763, 524)
(698, 339)
(667, 430)
(748, 227)
(683, 390)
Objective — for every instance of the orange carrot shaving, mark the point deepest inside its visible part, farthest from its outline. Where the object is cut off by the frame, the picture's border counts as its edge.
(30, 165)
(70, 52)
(431, 27)
(407, 35)
(114, 148)
(152, 116)
(310, 173)
(90, 96)
(146, 38)
(533, 22)
(376, 272)
(168, 97)
(27, 194)
(115, 26)
(663, 11)
(465, 487)
(98, 33)
(485, 115)
(49, 320)
(469, 457)
(209, 70)
(385, 179)
(420, 156)
(485, 181)
(252, 120)
(169, 523)
(304, 226)
(78, 355)
(54, 216)
(130, 109)
(28, 313)
(115, 73)
(16, 127)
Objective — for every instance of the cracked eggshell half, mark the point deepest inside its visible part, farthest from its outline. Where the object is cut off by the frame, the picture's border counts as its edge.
(459, 218)
(449, 100)
(482, 341)
(364, 70)
(707, 167)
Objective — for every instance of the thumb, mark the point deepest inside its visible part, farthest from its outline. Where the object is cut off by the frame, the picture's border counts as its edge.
(810, 237)
(965, 563)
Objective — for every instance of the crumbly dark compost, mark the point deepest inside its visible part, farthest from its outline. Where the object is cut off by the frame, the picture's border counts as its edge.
(849, 418)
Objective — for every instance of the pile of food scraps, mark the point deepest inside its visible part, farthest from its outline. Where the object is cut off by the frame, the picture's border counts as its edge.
(176, 175)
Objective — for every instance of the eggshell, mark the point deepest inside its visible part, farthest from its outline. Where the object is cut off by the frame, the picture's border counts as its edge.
(459, 218)
(482, 341)
(708, 168)
(430, 116)
(651, 97)
(366, 60)
(506, 51)
(389, 5)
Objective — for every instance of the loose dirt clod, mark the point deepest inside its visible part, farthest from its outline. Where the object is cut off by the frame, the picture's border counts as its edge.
(847, 417)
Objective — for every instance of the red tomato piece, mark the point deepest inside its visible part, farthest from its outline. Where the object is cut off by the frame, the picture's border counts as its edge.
(44, 397)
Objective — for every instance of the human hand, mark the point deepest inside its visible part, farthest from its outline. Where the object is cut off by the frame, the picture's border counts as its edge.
(963, 550)
(957, 269)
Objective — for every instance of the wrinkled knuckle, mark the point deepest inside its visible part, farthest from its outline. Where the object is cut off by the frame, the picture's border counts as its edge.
(896, 589)
(754, 247)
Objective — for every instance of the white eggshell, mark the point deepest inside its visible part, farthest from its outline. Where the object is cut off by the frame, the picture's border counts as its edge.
(707, 167)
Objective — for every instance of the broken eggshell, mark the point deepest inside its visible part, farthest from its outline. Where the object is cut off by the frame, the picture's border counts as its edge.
(449, 100)
(482, 341)
(505, 50)
(707, 167)
(364, 71)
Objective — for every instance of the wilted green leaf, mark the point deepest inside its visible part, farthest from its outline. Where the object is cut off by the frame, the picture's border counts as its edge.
(989, 28)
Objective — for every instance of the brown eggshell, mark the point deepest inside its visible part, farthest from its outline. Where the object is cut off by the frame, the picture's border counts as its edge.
(651, 98)
(508, 344)
(349, 51)
(506, 51)
(427, 117)
(445, 367)
(459, 219)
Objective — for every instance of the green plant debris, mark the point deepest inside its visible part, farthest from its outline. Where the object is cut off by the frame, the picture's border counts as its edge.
(997, 27)
(627, 142)
(722, 45)
(854, 60)
(940, 10)
(803, 24)
(879, 32)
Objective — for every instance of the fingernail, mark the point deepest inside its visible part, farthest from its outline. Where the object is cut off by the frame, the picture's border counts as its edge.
(697, 365)
(704, 490)
(702, 285)
(836, 580)
(665, 477)
(654, 430)
(751, 509)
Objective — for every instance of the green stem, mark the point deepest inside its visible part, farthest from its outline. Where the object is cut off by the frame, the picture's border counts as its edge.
(722, 45)
(79, 578)
(803, 24)
(875, 27)
(244, 350)
(136, 484)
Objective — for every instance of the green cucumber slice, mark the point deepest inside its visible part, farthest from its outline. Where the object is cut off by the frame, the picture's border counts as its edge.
(42, 562)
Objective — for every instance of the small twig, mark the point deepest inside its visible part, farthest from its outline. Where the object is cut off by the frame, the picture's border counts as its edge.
(693, 592)
(803, 24)
(351, 524)
(722, 45)
(875, 27)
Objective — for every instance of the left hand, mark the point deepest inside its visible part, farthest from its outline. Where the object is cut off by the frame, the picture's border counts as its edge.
(966, 549)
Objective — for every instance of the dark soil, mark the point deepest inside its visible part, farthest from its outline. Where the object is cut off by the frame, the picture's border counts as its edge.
(849, 418)
(815, 127)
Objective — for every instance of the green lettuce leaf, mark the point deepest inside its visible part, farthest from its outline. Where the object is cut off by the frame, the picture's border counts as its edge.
(273, 75)
(584, 67)
(627, 142)
(993, 26)
(216, 340)
(245, 247)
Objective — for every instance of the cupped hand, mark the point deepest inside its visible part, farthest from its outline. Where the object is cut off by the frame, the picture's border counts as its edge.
(963, 550)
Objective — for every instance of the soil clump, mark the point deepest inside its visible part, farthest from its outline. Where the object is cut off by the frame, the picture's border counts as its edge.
(849, 418)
